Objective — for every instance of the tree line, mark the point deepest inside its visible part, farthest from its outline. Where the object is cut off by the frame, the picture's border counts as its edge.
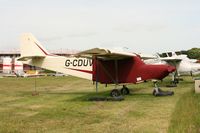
(193, 53)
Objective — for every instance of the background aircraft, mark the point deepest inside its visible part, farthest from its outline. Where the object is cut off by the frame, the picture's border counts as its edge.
(184, 65)
(99, 65)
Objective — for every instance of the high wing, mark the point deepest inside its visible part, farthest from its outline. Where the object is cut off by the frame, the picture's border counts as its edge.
(105, 54)
(147, 56)
(168, 59)
(26, 58)
(171, 60)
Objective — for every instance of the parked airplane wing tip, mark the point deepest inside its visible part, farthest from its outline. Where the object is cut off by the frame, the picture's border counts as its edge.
(106, 53)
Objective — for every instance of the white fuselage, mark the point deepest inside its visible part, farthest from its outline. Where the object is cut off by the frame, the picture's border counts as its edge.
(79, 67)
(185, 67)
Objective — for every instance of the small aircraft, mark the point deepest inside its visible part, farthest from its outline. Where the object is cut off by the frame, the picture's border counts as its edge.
(97, 64)
(183, 65)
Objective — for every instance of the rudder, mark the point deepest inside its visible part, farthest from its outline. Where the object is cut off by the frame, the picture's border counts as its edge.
(31, 47)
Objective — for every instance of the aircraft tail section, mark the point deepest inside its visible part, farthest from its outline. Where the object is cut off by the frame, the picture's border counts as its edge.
(31, 47)
(34, 54)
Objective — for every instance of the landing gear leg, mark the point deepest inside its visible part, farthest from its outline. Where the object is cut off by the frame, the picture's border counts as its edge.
(175, 78)
(156, 89)
(174, 81)
(116, 93)
(158, 92)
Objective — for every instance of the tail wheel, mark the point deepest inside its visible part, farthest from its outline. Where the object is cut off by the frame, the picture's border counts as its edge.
(125, 91)
(115, 93)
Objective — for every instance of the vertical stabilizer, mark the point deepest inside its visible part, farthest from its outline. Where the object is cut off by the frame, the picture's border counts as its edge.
(31, 47)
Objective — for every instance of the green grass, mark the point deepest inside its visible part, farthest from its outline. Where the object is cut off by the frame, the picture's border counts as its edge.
(186, 116)
(62, 106)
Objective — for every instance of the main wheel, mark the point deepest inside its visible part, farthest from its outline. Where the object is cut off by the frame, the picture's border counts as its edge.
(176, 81)
(115, 93)
(125, 91)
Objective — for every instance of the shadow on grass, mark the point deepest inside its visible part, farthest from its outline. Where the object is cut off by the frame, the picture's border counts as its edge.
(140, 91)
(137, 92)
(106, 94)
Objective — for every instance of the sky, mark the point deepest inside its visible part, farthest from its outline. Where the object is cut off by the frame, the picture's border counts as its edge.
(141, 26)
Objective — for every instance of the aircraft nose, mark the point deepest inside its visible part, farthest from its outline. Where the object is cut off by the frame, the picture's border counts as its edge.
(171, 69)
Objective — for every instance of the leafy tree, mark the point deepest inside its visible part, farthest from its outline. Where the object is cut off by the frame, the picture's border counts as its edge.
(194, 53)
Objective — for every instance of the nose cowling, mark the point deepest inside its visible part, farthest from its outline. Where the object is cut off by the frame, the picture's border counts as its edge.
(166, 69)
(171, 69)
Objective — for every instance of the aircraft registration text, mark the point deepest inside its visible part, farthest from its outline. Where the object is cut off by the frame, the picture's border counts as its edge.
(78, 62)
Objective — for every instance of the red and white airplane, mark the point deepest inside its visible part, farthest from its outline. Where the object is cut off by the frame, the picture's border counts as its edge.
(99, 65)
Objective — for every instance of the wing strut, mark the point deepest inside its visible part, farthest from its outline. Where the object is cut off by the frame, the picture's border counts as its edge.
(97, 75)
(116, 72)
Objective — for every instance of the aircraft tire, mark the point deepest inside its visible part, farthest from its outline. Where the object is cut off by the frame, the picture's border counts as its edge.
(176, 81)
(125, 91)
(115, 93)
(154, 92)
(163, 93)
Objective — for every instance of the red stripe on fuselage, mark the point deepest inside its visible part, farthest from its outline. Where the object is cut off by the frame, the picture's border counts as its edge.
(7, 65)
(85, 71)
(11, 65)
(18, 65)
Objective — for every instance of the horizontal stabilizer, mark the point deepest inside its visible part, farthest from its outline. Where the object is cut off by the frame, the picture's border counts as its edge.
(26, 58)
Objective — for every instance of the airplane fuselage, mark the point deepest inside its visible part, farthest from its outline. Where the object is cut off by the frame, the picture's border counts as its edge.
(79, 67)
(185, 67)
(130, 70)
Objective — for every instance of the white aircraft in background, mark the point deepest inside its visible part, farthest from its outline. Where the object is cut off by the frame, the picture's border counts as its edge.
(184, 65)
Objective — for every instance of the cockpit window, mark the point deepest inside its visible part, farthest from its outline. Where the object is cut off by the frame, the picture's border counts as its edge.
(163, 55)
(178, 53)
(170, 54)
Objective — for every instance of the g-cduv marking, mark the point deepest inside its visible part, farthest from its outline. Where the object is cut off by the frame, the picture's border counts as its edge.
(78, 62)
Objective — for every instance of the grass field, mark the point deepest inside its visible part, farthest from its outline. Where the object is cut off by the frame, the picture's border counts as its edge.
(62, 106)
